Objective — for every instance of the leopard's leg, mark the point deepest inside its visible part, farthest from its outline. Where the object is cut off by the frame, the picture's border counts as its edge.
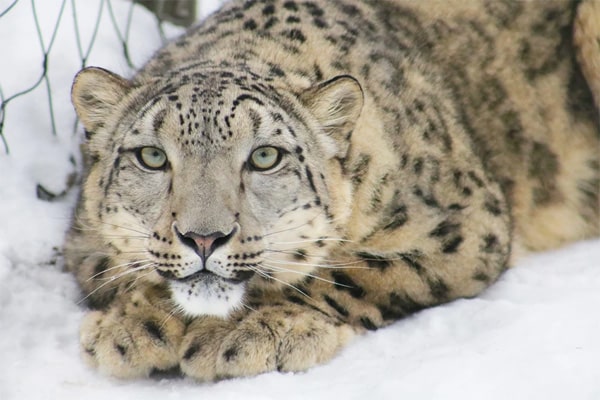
(137, 334)
(280, 337)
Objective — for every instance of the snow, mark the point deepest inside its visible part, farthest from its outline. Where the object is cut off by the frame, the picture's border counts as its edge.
(533, 335)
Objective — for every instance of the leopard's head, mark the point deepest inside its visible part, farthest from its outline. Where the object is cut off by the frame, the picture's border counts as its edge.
(215, 180)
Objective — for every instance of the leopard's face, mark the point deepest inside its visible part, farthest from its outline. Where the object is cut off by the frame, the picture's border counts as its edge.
(214, 183)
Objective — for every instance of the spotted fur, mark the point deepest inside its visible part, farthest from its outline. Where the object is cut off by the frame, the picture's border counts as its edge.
(289, 174)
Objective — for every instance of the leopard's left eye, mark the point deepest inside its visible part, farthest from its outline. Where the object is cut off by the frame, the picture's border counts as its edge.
(151, 158)
(265, 158)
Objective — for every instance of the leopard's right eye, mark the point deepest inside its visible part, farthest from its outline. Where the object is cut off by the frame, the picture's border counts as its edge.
(151, 158)
(265, 158)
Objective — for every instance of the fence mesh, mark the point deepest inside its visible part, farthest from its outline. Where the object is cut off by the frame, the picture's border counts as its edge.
(179, 12)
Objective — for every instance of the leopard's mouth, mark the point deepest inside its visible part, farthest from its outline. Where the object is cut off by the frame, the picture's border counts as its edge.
(207, 293)
(206, 275)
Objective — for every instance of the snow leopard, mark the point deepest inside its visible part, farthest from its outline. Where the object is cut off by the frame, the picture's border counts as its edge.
(290, 174)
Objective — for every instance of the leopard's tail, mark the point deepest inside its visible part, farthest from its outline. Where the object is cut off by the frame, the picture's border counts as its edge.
(586, 36)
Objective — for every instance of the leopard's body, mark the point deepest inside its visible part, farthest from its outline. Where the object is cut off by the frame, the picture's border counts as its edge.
(291, 173)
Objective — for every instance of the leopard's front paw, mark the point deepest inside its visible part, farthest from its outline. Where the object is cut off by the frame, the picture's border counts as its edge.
(132, 339)
(271, 339)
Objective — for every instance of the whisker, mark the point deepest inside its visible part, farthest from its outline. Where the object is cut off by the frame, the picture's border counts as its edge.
(142, 251)
(149, 264)
(340, 265)
(332, 263)
(280, 281)
(308, 222)
(316, 240)
(247, 306)
(97, 232)
(294, 227)
(116, 267)
(86, 229)
(273, 268)
(112, 279)
(297, 253)
(305, 255)
(83, 226)
(291, 252)
(95, 290)
(125, 237)
(126, 228)
(128, 271)
(174, 310)
(132, 284)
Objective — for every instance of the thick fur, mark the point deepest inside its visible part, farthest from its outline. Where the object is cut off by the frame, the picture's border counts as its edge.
(421, 145)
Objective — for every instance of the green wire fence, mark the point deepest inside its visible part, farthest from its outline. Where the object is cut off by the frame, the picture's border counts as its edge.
(179, 12)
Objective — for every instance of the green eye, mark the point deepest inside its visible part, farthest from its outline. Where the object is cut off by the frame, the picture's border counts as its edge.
(152, 158)
(265, 158)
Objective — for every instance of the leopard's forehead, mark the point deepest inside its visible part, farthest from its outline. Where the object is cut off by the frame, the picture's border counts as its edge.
(211, 109)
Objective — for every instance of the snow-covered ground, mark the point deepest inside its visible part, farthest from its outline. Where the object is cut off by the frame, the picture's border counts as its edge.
(534, 335)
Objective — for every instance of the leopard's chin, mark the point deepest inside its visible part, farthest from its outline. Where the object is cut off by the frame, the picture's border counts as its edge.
(207, 294)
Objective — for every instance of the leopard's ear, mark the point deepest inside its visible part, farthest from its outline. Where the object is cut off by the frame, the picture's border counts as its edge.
(336, 104)
(95, 93)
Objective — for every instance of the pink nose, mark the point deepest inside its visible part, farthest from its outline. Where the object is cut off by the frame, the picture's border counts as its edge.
(204, 245)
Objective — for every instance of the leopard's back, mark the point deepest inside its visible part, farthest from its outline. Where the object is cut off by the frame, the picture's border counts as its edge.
(530, 112)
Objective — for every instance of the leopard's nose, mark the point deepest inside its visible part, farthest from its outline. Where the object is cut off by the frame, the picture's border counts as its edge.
(204, 245)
